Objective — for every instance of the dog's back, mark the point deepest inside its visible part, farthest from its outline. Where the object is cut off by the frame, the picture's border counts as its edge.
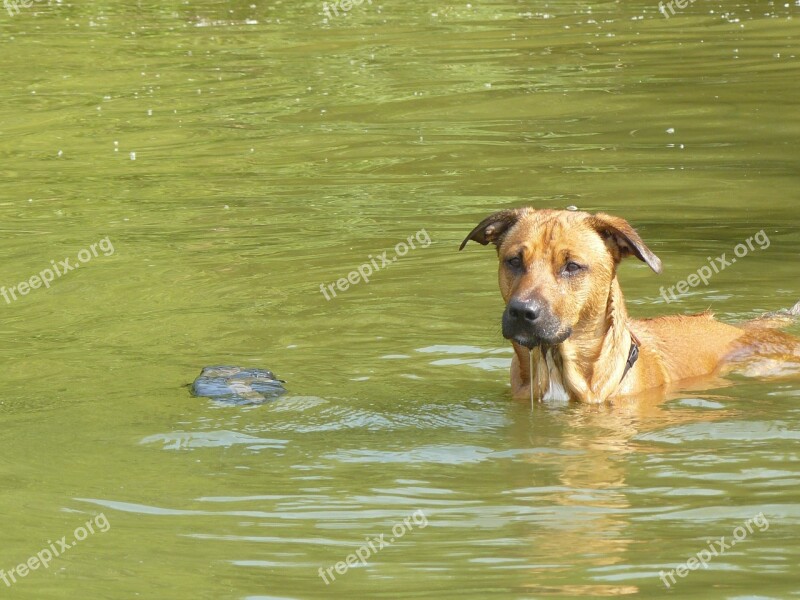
(685, 346)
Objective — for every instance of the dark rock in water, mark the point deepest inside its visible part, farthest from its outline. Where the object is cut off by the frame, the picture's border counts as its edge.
(235, 385)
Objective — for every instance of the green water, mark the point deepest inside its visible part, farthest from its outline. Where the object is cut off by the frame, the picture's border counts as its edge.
(276, 151)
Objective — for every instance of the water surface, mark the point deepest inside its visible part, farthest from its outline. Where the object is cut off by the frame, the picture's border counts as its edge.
(240, 155)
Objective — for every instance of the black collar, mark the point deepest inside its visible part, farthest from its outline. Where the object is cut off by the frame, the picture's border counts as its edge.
(633, 355)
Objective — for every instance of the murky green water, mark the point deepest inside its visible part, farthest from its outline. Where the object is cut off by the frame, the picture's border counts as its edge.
(276, 151)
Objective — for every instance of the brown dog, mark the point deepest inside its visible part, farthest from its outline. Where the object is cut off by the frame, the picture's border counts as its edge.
(558, 277)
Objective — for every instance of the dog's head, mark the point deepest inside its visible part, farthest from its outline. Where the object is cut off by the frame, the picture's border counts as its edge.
(556, 268)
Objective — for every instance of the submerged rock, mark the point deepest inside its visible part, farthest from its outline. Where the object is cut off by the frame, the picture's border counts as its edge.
(235, 385)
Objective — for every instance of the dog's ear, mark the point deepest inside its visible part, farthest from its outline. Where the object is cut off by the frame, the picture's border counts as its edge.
(623, 238)
(493, 228)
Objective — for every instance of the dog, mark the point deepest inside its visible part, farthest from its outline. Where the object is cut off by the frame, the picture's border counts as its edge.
(565, 307)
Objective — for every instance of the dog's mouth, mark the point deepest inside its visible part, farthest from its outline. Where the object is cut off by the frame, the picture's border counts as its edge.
(531, 341)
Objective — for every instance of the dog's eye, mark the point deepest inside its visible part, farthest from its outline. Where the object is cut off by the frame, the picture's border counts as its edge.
(515, 262)
(572, 267)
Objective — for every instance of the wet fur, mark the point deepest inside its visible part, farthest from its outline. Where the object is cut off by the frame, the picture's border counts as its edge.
(590, 311)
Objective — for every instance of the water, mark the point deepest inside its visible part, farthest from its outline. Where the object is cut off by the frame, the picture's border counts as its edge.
(240, 155)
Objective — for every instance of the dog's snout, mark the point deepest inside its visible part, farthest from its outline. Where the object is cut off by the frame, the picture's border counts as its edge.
(526, 311)
(531, 321)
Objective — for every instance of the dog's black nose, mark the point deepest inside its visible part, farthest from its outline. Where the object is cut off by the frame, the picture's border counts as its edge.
(530, 322)
(523, 311)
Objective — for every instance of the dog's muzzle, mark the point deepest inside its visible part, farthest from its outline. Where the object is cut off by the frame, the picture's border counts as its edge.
(530, 323)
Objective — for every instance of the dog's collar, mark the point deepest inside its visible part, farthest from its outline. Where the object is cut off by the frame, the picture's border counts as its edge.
(633, 356)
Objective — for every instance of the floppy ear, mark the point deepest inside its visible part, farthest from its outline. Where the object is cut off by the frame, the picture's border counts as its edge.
(623, 239)
(492, 228)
